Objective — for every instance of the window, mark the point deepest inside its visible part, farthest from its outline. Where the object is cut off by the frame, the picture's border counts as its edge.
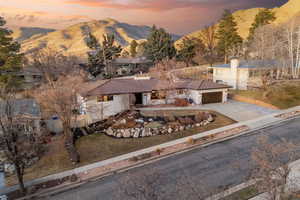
(155, 95)
(105, 98)
(180, 92)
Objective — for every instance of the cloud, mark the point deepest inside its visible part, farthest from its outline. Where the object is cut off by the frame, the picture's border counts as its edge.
(165, 5)
(151, 5)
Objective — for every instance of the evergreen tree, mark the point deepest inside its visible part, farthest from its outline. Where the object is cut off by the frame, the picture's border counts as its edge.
(10, 57)
(264, 17)
(101, 54)
(227, 35)
(133, 48)
(188, 50)
(159, 45)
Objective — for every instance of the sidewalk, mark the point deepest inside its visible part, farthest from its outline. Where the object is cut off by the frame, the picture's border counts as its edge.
(252, 125)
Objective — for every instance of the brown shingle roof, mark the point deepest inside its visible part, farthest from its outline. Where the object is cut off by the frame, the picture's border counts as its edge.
(130, 86)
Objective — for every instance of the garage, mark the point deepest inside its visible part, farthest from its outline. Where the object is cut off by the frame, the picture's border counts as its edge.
(212, 97)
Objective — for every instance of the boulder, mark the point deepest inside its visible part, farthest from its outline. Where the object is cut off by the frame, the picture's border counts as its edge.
(136, 135)
(110, 131)
(170, 130)
(126, 133)
(210, 118)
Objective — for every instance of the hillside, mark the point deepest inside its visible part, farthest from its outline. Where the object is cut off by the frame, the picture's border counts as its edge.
(25, 33)
(245, 18)
(71, 41)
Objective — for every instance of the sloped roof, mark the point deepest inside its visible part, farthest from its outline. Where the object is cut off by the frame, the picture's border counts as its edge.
(27, 107)
(131, 86)
(248, 64)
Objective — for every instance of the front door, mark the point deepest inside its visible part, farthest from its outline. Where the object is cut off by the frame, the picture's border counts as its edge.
(139, 98)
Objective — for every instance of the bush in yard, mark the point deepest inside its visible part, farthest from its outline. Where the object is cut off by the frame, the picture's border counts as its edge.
(191, 141)
(200, 117)
(158, 151)
(181, 102)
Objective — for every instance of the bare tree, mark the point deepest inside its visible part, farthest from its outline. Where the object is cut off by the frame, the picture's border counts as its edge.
(272, 168)
(209, 37)
(19, 137)
(53, 64)
(60, 98)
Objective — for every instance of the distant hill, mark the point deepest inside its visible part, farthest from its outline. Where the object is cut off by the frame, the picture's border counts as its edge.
(71, 41)
(25, 33)
(245, 18)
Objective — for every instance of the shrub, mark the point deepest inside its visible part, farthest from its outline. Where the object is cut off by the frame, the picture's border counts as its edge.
(158, 151)
(191, 141)
(181, 102)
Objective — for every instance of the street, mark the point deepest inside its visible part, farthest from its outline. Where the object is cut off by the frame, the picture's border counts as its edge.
(212, 166)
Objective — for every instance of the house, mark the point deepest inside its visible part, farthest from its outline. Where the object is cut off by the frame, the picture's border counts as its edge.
(129, 66)
(30, 77)
(242, 75)
(118, 95)
(26, 109)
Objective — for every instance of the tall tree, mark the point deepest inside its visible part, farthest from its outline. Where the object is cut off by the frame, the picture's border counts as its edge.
(188, 50)
(101, 54)
(209, 38)
(10, 57)
(133, 48)
(228, 38)
(263, 17)
(159, 45)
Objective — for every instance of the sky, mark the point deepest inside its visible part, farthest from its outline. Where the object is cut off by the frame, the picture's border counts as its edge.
(177, 16)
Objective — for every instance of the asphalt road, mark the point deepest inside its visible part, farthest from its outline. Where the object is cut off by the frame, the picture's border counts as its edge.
(211, 167)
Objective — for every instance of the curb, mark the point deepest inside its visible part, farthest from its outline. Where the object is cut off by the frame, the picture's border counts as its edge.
(55, 191)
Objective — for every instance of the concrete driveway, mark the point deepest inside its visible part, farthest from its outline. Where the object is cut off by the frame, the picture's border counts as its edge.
(239, 111)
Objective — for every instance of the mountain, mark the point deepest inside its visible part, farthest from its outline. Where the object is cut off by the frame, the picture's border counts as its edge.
(245, 18)
(71, 41)
(25, 33)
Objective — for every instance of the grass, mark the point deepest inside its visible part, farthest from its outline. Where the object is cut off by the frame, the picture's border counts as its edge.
(98, 147)
(283, 96)
(243, 194)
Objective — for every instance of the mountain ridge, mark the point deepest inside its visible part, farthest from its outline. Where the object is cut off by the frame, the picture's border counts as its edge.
(71, 40)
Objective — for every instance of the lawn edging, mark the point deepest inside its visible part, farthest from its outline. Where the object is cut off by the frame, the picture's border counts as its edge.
(183, 141)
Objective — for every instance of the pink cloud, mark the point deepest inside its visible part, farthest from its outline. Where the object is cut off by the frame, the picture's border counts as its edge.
(151, 5)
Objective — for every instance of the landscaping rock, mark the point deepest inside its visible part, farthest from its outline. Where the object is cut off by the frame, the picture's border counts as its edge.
(136, 135)
(170, 130)
(210, 118)
(126, 133)
(110, 131)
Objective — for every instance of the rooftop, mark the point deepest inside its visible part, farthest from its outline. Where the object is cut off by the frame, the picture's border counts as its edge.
(27, 107)
(131, 86)
(248, 64)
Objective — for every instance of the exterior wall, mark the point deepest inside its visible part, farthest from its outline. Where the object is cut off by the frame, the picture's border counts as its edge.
(227, 76)
(97, 111)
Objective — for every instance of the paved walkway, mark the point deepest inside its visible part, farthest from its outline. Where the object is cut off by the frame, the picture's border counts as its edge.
(238, 111)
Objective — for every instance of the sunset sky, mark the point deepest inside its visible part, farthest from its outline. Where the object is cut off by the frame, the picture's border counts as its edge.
(177, 16)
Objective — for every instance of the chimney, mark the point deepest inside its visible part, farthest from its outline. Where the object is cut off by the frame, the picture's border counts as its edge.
(234, 65)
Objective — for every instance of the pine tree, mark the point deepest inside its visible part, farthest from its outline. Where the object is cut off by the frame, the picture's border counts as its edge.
(133, 48)
(227, 35)
(10, 57)
(159, 45)
(188, 50)
(264, 17)
(101, 54)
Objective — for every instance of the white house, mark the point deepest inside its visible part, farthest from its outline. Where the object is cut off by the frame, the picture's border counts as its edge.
(118, 95)
(241, 75)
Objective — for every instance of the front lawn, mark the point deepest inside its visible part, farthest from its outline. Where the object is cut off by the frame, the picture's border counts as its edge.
(283, 95)
(98, 146)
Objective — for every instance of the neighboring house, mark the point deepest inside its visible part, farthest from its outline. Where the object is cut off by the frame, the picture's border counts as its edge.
(118, 95)
(30, 77)
(27, 110)
(129, 66)
(242, 75)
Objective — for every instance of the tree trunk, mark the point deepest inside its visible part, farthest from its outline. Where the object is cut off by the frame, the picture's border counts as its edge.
(20, 179)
